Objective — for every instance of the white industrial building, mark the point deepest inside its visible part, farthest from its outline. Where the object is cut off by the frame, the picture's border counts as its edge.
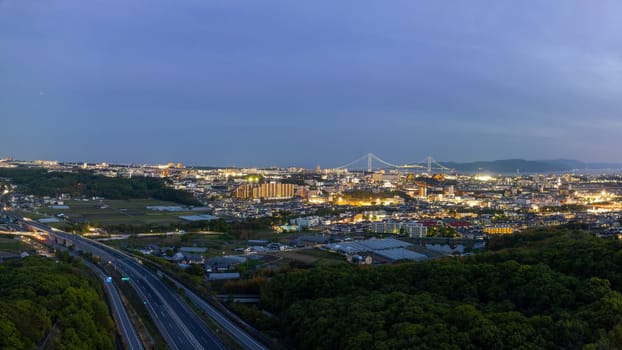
(406, 228)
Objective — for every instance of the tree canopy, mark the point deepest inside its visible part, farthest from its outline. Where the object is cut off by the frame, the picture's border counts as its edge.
(40, 296)
(40, 182)
(547, 289)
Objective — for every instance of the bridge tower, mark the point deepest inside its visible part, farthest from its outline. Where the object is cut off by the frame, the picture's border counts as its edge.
(369, 160)
(429, 165)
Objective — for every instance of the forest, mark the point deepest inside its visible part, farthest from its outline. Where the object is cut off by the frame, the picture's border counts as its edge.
(61, 302)
(40, 182)
(545, 289)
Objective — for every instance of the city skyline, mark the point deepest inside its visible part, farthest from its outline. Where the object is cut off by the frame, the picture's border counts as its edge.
(499, 166)
(224, 83)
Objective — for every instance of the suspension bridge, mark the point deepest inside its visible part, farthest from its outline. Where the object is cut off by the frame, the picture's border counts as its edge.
(428, 164)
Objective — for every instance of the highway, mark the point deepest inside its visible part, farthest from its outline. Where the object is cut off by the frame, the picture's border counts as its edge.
(238, 333)
(180, 326)
(132, 340)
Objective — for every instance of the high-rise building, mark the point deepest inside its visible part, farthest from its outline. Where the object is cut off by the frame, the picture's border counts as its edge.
(271, 190)
(448, 190)
(499, 229)
(244, 191)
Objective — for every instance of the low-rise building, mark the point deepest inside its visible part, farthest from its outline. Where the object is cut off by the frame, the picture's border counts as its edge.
(408, 228)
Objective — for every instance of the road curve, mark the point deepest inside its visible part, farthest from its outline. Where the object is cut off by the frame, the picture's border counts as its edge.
(180, 326)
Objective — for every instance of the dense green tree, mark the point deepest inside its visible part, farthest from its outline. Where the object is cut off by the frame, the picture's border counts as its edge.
(41, 182)
(196, 269)
(38, 293)
(547, 289)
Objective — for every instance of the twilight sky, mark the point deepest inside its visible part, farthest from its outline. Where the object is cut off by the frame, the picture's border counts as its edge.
(260, 83)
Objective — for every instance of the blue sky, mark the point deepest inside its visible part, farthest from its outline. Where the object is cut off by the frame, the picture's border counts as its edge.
(260, 83)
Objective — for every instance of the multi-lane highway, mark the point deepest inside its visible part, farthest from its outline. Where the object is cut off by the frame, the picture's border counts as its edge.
(179, 324)
(126, 328)
(237, 332)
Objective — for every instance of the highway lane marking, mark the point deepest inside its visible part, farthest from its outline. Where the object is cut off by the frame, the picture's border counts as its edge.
(232, 328)
(128, 263)
(119, 309)
(181, 325)
(222, 320)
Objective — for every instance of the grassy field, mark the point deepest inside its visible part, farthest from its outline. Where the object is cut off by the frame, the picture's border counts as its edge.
(313, 256)
(31, 215)
(215, 243)
(115, 212)
(11, 245)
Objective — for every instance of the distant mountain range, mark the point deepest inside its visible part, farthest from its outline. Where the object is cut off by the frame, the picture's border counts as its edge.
(528, 166)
